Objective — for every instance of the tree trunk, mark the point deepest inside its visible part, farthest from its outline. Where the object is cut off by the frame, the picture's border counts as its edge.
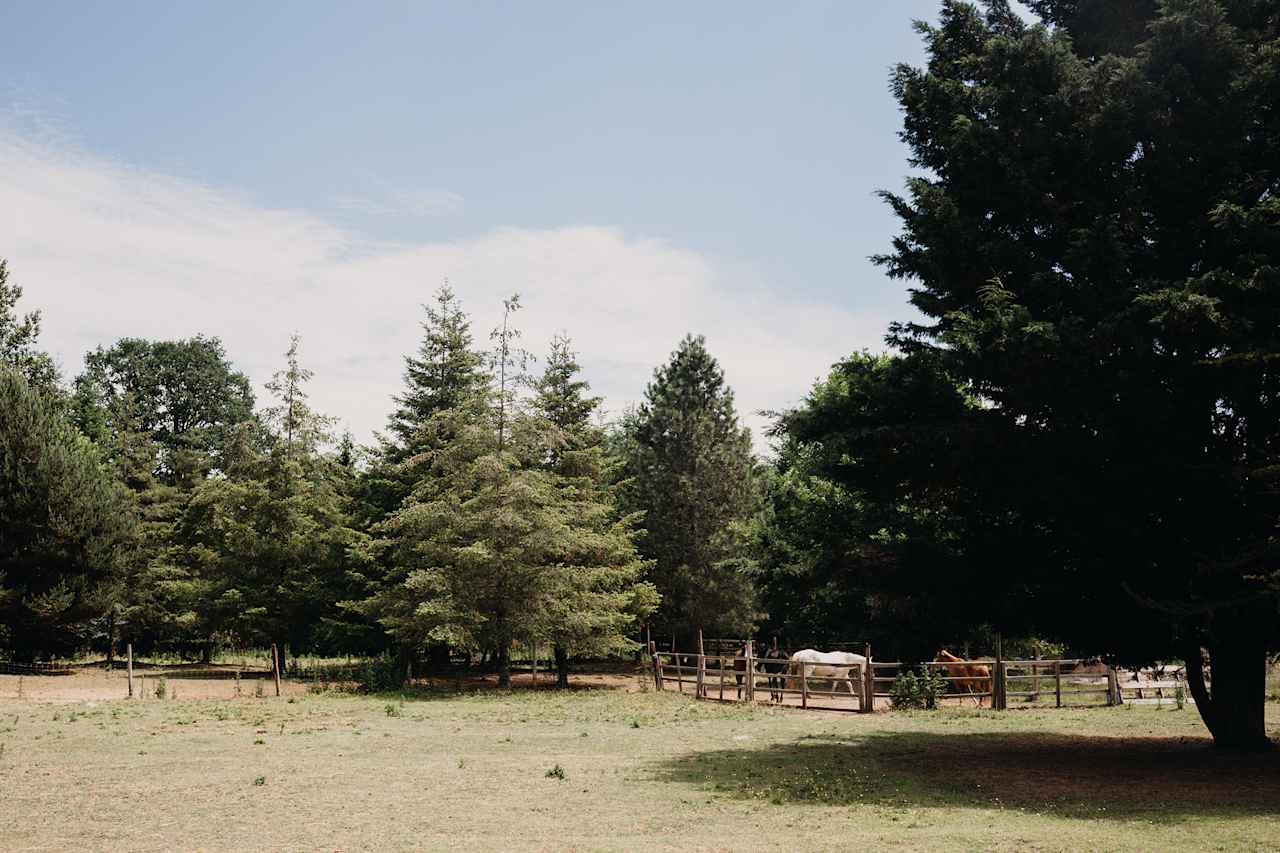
(404, 663)
(206, 653)
(438, 658)
(562, 666)
(504, 664)
(1234, 711)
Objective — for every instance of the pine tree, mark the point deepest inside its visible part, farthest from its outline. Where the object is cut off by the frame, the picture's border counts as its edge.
(446, 372)
(599, 593)
(496, 545)
(66, 525)
(273, 536)
(163, 602)
(692, 476)
(1090, 235)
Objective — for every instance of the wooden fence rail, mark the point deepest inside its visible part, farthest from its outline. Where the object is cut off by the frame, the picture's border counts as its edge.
(1027, 680)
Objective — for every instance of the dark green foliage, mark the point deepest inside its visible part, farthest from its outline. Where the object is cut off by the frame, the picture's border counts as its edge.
(500, 541)
(445, 372)
(692, 474)
(600, 596)
(853, 529)
(272, 537)
(1093, 245)
(183, 394)
(66, 529)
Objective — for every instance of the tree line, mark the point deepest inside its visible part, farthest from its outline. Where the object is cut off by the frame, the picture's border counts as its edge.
(153, 500)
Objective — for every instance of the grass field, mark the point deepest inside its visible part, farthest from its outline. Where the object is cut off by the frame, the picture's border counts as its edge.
(637, 770)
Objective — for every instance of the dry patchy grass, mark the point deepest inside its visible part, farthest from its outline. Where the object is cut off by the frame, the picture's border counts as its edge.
(637, 770)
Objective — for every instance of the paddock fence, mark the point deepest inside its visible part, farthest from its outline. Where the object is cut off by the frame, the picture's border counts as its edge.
(711, 673)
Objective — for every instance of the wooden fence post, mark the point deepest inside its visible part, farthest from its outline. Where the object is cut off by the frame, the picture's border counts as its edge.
(1057, 683)
(869, 684)
(997, 679)
(275, 666)
(657, 669)
(751, 671)
(702, 667)
(1113, 687)
(804, 688)
(675, 656)
(129, 652)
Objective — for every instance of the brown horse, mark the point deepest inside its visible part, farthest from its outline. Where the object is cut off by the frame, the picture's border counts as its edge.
(740, 666)
(969, 677)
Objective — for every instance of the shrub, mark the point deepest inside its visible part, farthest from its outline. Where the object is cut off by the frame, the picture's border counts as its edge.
(556, 772)
(917, 690)
(381, 675)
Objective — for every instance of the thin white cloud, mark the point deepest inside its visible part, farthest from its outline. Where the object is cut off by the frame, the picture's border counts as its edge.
(108, 251)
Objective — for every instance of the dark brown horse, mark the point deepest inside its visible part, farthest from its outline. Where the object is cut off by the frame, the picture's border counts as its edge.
(740, 666)
(776, 662)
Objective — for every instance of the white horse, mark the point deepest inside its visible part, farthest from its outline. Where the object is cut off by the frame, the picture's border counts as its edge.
(831, 666)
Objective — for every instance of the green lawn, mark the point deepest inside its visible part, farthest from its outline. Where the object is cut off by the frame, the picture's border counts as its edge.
(640, 771)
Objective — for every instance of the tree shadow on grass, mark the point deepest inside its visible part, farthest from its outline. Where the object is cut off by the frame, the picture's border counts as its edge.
(1093, 778)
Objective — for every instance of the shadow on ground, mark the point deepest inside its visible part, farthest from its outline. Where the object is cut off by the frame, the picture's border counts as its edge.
(1107, 778)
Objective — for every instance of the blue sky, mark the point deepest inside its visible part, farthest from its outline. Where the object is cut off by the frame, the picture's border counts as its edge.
(252, 170)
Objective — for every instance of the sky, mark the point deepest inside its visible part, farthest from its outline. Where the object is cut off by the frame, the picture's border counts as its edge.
(635, 172)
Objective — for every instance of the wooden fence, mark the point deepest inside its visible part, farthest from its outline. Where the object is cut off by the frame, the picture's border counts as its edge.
(994, 682)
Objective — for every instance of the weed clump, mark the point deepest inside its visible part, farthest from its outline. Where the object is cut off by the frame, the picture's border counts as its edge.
(919, 691)
(556, 772)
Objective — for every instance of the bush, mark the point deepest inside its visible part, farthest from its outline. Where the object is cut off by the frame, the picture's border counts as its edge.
(921, 691)
(381, 675)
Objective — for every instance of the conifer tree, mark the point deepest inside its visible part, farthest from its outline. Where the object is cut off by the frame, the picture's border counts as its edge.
(495, 547)
(273, 536)
(1090, 235)
(65, 526)
(600, 594)
(692, 475)
(445, 372)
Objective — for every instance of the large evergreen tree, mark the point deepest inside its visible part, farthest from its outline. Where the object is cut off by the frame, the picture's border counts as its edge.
(66, 529)
(692, 474)
(507, 536)
(445, 372)
(599, 596)
(1092, 243)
